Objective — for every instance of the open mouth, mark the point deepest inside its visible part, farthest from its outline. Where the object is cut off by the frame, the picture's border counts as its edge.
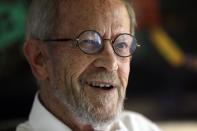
(103, 86)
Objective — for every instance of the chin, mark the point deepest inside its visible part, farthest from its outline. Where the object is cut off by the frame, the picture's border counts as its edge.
(100, 119)
(103, 114)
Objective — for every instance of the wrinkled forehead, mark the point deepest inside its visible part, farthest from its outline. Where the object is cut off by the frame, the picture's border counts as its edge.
(78, 15)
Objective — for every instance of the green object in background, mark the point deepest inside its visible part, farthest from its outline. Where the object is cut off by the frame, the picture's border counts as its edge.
(12, 22)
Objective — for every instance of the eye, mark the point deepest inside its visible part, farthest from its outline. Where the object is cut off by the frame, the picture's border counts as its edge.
(90, 43)
(90, 46)
(121, 45)
(122, 48)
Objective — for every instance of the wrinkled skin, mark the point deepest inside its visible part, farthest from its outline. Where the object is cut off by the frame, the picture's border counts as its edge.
(64, 71)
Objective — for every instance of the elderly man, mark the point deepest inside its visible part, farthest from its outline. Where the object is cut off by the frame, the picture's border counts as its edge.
(80, 53)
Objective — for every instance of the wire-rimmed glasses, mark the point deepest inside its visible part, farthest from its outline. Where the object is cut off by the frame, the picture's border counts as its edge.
(91, 42)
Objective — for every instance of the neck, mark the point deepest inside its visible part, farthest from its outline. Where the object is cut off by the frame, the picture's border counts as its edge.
(62, 113)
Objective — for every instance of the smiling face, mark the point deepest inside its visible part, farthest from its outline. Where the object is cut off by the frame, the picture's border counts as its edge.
(91, 86)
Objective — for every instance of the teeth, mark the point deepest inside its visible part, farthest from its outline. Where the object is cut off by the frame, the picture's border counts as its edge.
(101, 85)
(107, 85)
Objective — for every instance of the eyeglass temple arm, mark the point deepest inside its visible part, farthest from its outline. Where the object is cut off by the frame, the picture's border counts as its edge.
(58, 40)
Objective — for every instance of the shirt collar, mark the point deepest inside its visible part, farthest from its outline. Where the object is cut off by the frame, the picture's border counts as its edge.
(42, 120)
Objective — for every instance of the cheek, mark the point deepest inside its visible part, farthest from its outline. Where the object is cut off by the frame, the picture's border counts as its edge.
(73, 62)
(124, 70)
(77, 65)
(74, 67)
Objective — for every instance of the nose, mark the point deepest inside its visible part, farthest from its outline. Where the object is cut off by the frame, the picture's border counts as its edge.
(107, 58)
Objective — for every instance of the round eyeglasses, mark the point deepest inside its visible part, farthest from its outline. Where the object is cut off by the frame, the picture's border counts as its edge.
(91, 42)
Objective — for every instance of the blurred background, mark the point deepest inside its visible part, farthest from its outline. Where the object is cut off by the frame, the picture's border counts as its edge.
(163, 79)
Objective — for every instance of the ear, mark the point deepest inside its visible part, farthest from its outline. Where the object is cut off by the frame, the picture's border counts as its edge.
(37, 58)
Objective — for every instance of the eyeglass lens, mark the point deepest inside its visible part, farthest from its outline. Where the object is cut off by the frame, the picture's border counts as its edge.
(90, 42)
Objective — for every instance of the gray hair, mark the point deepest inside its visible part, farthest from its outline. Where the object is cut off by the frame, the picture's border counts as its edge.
(42, 18)
(44, 15)
(132, 17)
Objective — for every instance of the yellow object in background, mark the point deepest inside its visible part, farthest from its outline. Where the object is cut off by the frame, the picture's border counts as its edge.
(167, 47)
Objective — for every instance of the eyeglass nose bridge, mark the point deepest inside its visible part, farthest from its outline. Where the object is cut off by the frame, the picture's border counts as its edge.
(110, 40)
